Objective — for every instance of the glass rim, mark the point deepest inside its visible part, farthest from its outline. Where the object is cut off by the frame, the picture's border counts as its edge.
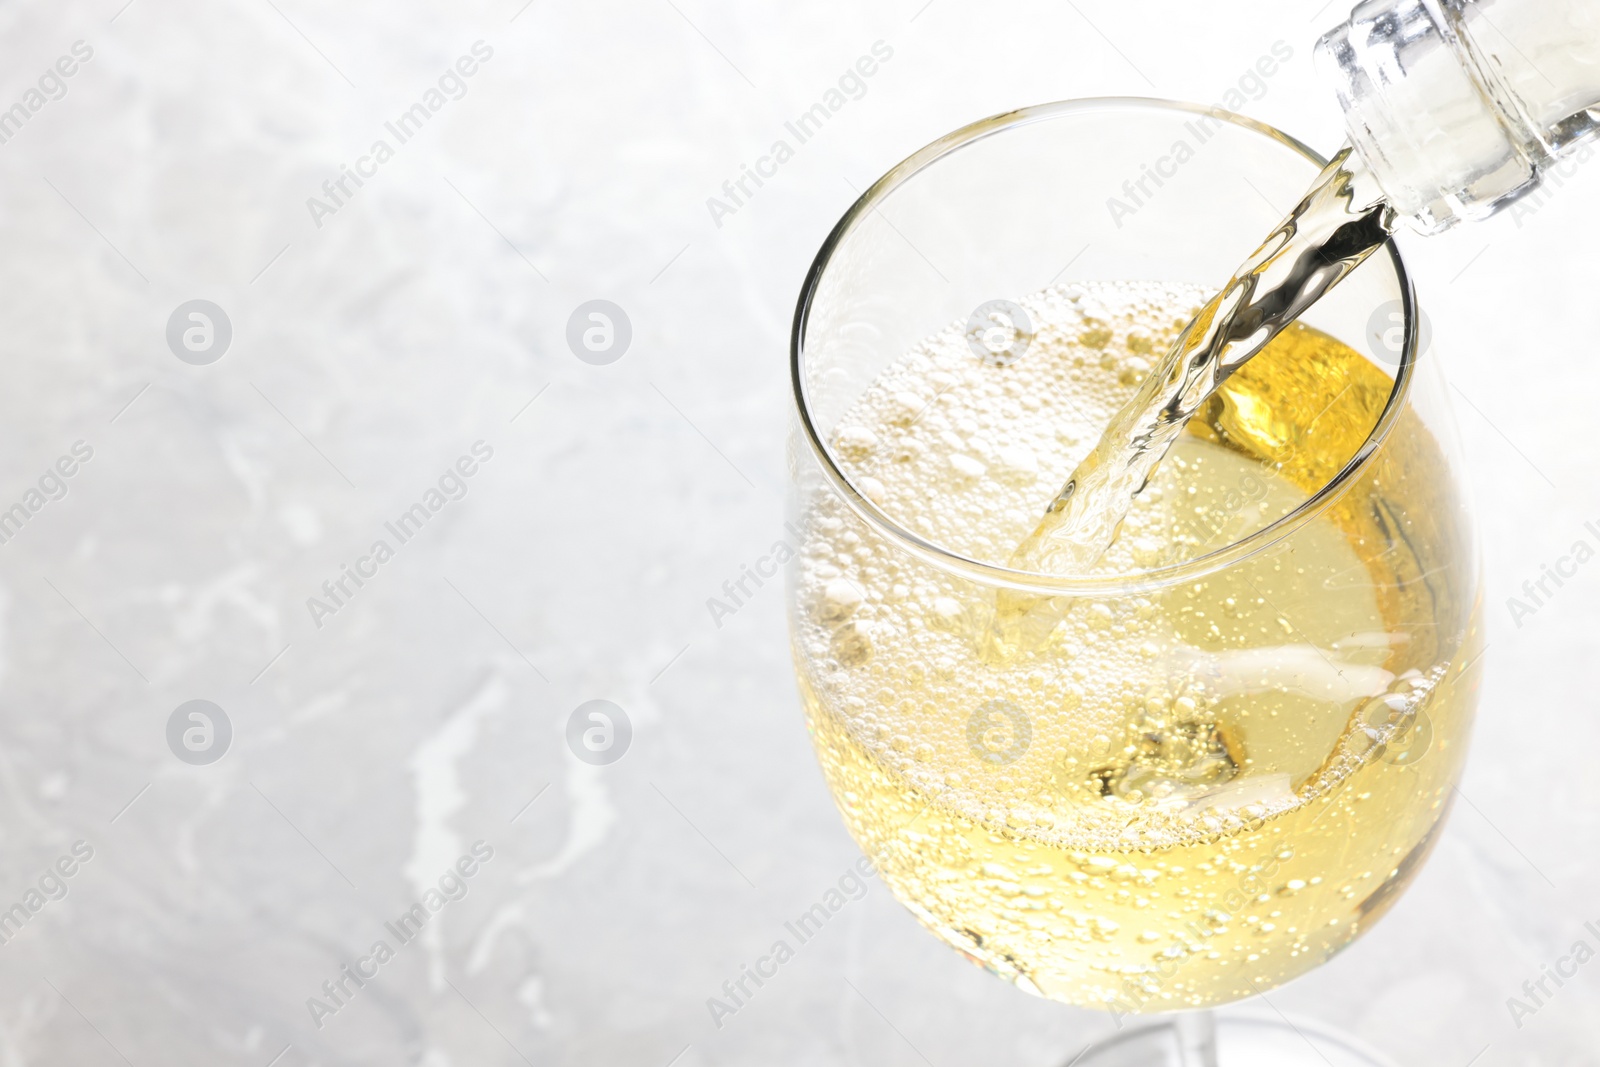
(993, 574)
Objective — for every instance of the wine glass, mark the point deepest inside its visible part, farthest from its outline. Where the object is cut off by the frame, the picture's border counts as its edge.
(1201, 770)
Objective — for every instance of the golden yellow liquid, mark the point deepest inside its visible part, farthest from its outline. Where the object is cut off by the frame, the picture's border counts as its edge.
(1154, 800)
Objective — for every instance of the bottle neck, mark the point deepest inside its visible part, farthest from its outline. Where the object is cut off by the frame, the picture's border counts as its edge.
(1459, 106)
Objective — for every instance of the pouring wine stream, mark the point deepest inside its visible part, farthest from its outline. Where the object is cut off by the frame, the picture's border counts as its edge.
(1335, 227)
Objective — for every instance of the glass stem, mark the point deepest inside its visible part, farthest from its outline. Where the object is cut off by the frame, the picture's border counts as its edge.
(1197, 1038)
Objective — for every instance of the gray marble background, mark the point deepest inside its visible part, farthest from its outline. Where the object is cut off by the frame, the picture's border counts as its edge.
(428, 313)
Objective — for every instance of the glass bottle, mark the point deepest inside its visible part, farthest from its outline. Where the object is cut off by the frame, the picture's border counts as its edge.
(1460, 107)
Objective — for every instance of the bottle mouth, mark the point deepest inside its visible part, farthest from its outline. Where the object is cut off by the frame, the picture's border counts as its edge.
(1446, 137)
(991, 574)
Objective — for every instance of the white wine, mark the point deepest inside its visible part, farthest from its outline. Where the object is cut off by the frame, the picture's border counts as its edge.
(1156, 800)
